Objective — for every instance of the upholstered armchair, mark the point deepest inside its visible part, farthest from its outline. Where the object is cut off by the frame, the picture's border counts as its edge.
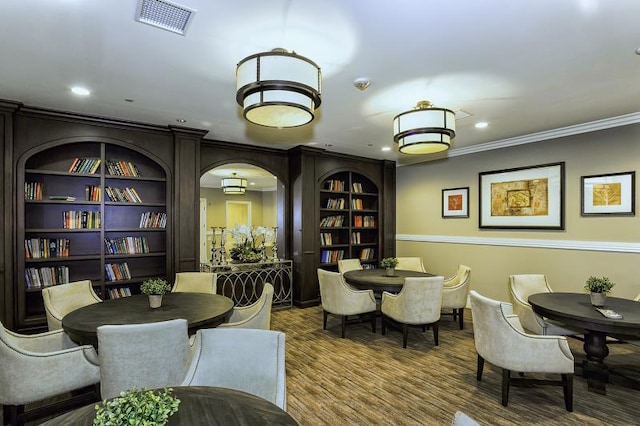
(195, 282)
(523, 286)
(418, 303)
(251, 361)
(339, 298)
(61, 299)
(410, 264)
(150, 355)
(39, 366)
(346, 265)
(501, 341)
(455, 292)
(256, 315)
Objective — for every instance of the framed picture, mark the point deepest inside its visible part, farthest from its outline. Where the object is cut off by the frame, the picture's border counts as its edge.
(455, 202)
(523, 198)
(611, 194)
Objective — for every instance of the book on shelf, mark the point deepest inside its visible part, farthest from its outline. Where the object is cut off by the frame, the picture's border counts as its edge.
(367, 254)
(43, 248)
(355, 238)
(335, 203)
(118, 292)
(334, 185)
(126, 245)
(117, 271)
(332, 221)
(46, 276)
(122, 168)
(84, 165)
(360, 221)
(331, 256)
(356, 187)
(62, 197)
(122, 195)
(33, 190)
(75, 219)
(153, 220)
(326, 239)
(92, 193)
(356, 204)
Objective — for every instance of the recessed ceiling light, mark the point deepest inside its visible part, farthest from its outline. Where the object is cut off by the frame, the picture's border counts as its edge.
(481, 124)
(638, 51)
(128, 100)
(181, 120)
(80, 91)
(386, 148)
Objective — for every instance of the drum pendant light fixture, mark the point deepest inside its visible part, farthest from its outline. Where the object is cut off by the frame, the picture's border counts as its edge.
(278, 88)
(424, 129)
(234, 185)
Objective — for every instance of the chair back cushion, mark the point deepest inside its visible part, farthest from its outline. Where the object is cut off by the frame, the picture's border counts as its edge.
(456, 289)
(61, 299)
(340, 299)
(346, 265)
(256, 315)
(520, 288)
(419, 301)
(195, 282)
(410, 264)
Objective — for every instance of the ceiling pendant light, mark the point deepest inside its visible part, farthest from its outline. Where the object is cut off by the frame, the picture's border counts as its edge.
(234, 185)
(424, 129)
(278, 88)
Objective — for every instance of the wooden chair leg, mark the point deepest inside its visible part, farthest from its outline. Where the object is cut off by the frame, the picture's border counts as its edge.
(373, 322)
(383, 324)
(567, 387)
(325, 314)
(435, 332)
(13, 415)
(480, 368)
(344, 325)
(461, 318)
(506, 381)
(405, 334)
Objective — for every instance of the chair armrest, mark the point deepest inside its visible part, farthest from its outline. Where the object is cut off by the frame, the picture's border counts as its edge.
(49, 341)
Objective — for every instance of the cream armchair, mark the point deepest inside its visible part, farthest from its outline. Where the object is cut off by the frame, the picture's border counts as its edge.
(410, 264)
(523, 286)
(61, 299)
(256, 315)
(418, 303)
(455, 292)
(39, 366)
(150, 355)
(195, 282)
(251, 361)
(346, 265)
(339, 298)
(500, 340)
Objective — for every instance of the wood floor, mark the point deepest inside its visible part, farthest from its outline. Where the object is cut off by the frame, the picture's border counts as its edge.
(368, 379)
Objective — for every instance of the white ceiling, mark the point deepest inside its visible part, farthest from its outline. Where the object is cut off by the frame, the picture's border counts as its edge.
(522, 66)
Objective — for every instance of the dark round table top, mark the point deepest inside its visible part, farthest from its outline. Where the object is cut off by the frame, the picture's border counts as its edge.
(202, 405)
(201, 310)
(575, 309)
(378, 281)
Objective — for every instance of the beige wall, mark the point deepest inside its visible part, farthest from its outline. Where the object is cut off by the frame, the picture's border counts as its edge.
(419, 221)
(263, 206)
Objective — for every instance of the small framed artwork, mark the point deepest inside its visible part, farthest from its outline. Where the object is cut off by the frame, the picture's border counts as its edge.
(455, 202)
(523, 198)
(610, 194)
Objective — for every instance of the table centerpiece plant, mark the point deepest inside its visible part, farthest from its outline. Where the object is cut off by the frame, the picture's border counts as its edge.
(598, 288)
(137, 407)
(389, 263)
(155, 288)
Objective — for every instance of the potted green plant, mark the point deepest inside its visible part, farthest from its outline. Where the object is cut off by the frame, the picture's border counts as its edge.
(389, 263)
(598, 288)
(138, 408)
(155, 288)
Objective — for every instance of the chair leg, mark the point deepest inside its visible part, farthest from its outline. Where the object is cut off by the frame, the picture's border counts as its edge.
(435, 332)
(325, 314)
(383, 325)
(373, 322)
(405, 334)
(461, 317)
(13, 415)
(506, 380)
(567, 387)
(480, 368)
(344, 325)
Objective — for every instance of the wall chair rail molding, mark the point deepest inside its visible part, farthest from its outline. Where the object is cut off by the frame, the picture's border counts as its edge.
(601, 246)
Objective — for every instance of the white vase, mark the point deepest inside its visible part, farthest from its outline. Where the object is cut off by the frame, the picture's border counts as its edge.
(155, 300)
(390, 271)
(598, 299)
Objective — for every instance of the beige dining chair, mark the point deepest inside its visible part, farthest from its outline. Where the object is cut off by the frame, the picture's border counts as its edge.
(256, 315)
(500, 339)
(61, 299)
(346, 265)
(195, 282)
(455, 293)
(410, 264)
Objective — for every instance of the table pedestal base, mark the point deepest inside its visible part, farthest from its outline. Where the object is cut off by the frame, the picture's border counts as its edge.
(593, 368)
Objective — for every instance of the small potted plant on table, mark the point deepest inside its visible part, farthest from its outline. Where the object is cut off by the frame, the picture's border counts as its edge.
(598, 288)
(137, 407)
(389, 263)
(155, 288)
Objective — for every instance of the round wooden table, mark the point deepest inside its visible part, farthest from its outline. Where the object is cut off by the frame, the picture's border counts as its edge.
(201, 310)
(202, 405)
(378, 281)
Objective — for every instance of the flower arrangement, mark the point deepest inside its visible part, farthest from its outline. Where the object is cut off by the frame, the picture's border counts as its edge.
(155, 286)
(250, 243)
(389, 262)
(598, 285)
(137, 408)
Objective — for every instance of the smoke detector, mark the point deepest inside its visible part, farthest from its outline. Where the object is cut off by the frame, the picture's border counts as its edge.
(165, 14)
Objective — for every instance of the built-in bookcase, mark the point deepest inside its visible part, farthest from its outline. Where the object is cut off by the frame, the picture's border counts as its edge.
(81, 232)
(349, 219)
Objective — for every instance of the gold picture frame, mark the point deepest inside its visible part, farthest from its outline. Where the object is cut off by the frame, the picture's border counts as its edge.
(609, 194)
(522, 198)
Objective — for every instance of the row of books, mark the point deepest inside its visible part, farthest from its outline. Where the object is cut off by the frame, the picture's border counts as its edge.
(332, 221)
(46, 276)
(356, 187)
(335, 203)
(153, 220)
(33, 191)
(356, 204)
(334, 185)
(367, 254)
(122, 168)
(117, 271)
(43, 248)
(331, 256)
(118, 292)
(75, 219)
(367, 221)
(92, 193)
(84, 165)
(368, 266)
(326, 239)
(123, 195)
(126, 245)
(356, 238)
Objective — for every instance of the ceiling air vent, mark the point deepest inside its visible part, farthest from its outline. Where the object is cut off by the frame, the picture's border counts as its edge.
(165, 14)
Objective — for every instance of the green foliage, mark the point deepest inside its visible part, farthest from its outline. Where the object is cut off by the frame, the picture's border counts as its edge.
(598, 285)
(246, 254)
(157, 286)
(389, 262)
(137, 408)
